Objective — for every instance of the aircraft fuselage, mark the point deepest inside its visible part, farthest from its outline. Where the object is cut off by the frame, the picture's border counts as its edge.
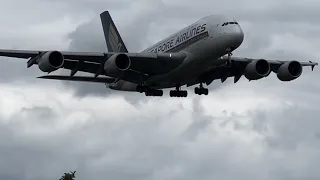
(203, 42)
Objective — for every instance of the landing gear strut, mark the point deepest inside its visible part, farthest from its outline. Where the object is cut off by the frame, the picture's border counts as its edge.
(178, 92)
(228, 61)
(149, 91)
(201, 90)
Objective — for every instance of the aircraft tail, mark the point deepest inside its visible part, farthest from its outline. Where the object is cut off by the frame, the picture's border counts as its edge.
(113, 39)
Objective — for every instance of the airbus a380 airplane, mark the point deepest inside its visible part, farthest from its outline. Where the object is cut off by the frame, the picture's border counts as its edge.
(197, 54)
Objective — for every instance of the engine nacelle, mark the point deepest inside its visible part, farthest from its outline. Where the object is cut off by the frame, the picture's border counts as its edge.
(117, 64)
(51, 61)
(257, 69)
(289, 71)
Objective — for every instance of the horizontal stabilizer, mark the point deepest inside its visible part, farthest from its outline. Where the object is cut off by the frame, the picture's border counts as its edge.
(80, 78)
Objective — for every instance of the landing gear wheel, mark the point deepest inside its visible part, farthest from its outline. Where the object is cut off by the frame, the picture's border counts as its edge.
(178, 92)
(196, 90)
(141, 89)
(149, 91)
(201, 90)
(175, 93)
(205, 91)
(154, 92)
(158, 93)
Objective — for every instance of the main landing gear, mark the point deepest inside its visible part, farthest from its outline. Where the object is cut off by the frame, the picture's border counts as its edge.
(201, 90)
(148, 91)
(178, 92)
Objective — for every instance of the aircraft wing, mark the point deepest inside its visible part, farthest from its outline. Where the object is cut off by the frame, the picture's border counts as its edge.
(238, 68)
(273, 63)
(146, 64)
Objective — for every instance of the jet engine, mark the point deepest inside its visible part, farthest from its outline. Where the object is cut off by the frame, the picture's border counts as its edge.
(289, 71)
(51, 61)
(257, 69)
(117, 64)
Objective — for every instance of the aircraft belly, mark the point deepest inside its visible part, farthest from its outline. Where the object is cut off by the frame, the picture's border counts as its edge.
(123, 86)
(200, 56)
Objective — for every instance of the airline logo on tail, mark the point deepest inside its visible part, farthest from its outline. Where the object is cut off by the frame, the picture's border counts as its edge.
(114, 39)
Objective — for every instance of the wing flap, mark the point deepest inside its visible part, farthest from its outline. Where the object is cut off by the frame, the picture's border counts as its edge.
(83, 66)
(80, 78)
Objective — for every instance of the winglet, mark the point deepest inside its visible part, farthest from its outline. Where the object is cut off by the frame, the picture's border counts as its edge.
(313, 65)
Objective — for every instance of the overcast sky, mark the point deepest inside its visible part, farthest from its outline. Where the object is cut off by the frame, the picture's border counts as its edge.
(264, 129)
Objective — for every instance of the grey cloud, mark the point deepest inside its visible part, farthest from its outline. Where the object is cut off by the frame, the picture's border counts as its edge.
(44, 113)
(146, 149)
(88, 37)
(199, 121)
(17, 70)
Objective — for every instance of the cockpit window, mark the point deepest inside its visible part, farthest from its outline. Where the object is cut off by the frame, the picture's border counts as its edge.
(226, 23)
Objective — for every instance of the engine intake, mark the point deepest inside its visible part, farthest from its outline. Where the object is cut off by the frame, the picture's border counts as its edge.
(51, 61)
(289, 71)
(257, 69)
(116, 64)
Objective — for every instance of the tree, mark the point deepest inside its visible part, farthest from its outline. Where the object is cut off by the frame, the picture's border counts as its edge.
(68, 176)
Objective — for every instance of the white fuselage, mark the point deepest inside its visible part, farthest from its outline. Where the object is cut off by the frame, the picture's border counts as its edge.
(204, 42)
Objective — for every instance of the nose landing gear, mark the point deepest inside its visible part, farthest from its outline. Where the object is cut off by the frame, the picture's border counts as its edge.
(228, 61)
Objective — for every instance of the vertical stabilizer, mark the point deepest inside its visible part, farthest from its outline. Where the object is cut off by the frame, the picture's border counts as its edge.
(113, 39)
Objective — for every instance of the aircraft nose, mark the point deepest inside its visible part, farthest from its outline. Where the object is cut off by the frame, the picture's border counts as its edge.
(237, 36)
